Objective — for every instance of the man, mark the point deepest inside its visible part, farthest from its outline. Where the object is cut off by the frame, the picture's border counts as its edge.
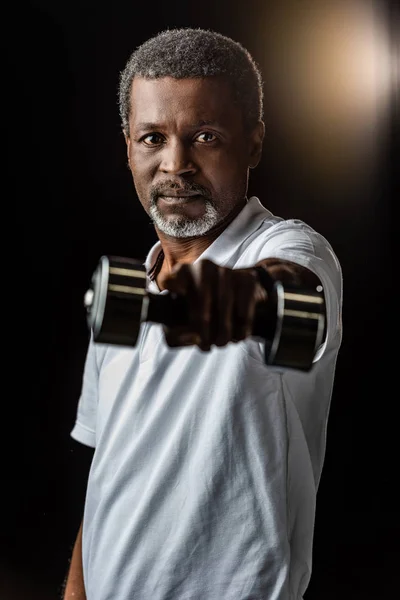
(207, 461)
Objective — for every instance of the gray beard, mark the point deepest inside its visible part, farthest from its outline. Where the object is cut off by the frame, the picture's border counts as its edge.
(180, 226)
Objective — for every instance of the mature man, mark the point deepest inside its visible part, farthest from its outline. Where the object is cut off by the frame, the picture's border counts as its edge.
(207, 461)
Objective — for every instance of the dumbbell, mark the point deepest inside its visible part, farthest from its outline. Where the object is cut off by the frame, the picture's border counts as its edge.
(291, 322)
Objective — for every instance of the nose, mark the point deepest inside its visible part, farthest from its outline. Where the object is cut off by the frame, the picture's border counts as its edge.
(176, 159)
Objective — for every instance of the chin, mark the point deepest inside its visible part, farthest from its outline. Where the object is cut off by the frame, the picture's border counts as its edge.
(182, 227)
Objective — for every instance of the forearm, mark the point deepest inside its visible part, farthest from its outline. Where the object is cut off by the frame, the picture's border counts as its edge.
(74, 587)
(290, 273)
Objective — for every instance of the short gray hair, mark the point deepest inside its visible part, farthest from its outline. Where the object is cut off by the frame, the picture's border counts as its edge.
(195, 53)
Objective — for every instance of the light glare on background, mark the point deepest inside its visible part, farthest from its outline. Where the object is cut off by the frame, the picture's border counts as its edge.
(332, 78)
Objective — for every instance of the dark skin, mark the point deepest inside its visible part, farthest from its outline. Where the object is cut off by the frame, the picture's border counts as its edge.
(185, 133)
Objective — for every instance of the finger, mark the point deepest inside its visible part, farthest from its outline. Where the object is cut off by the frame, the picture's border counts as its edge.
(244, 306)
(182, 282)
(180, 337)
(208, 287)
(178, 280)
(224, 308)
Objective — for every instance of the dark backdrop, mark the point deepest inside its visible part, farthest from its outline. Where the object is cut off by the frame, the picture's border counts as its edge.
(68, 198)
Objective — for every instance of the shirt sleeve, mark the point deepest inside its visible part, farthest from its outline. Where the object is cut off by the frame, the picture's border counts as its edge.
(308, 395)
(295, 241)
(84, 430)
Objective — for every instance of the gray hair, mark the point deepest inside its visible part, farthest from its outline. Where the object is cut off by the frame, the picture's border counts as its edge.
(186, 53)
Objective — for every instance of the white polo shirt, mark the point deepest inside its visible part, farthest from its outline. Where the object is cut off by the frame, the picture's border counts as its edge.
(206, 465)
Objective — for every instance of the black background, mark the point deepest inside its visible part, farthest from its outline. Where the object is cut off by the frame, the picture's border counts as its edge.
(68, 197)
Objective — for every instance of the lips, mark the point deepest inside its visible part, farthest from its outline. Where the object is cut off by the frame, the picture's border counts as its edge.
(180, 199)
(178, 194)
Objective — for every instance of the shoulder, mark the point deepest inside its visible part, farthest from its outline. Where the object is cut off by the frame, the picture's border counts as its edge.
(267, 233)
(289, 239)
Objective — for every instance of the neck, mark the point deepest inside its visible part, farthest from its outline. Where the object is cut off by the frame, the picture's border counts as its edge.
(187, 250)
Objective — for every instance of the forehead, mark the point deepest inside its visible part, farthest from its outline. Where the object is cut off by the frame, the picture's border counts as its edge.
(172, 101)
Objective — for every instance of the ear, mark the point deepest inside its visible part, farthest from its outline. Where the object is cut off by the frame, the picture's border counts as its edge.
(255, 145)
(128, 147)
(127, 141)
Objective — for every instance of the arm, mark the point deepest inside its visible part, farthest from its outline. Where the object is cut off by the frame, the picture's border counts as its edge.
(289, 272)
(74, 585)
(84, 433)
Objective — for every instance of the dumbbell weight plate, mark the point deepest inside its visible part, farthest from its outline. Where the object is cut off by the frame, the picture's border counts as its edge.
(116, 301)
(298, 331)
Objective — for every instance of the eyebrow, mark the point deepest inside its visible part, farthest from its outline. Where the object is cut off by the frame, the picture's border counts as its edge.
(147, 125)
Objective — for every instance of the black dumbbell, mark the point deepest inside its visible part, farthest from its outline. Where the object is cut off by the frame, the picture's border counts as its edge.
(291, 322)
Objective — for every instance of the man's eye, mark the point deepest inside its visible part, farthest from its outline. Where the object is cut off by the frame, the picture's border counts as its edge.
(205, 137)
(152, 139)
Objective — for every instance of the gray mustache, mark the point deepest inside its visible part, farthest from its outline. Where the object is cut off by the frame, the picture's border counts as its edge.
(194, 188)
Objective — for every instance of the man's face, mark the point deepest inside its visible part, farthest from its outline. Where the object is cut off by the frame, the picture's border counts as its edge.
(188, 152)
